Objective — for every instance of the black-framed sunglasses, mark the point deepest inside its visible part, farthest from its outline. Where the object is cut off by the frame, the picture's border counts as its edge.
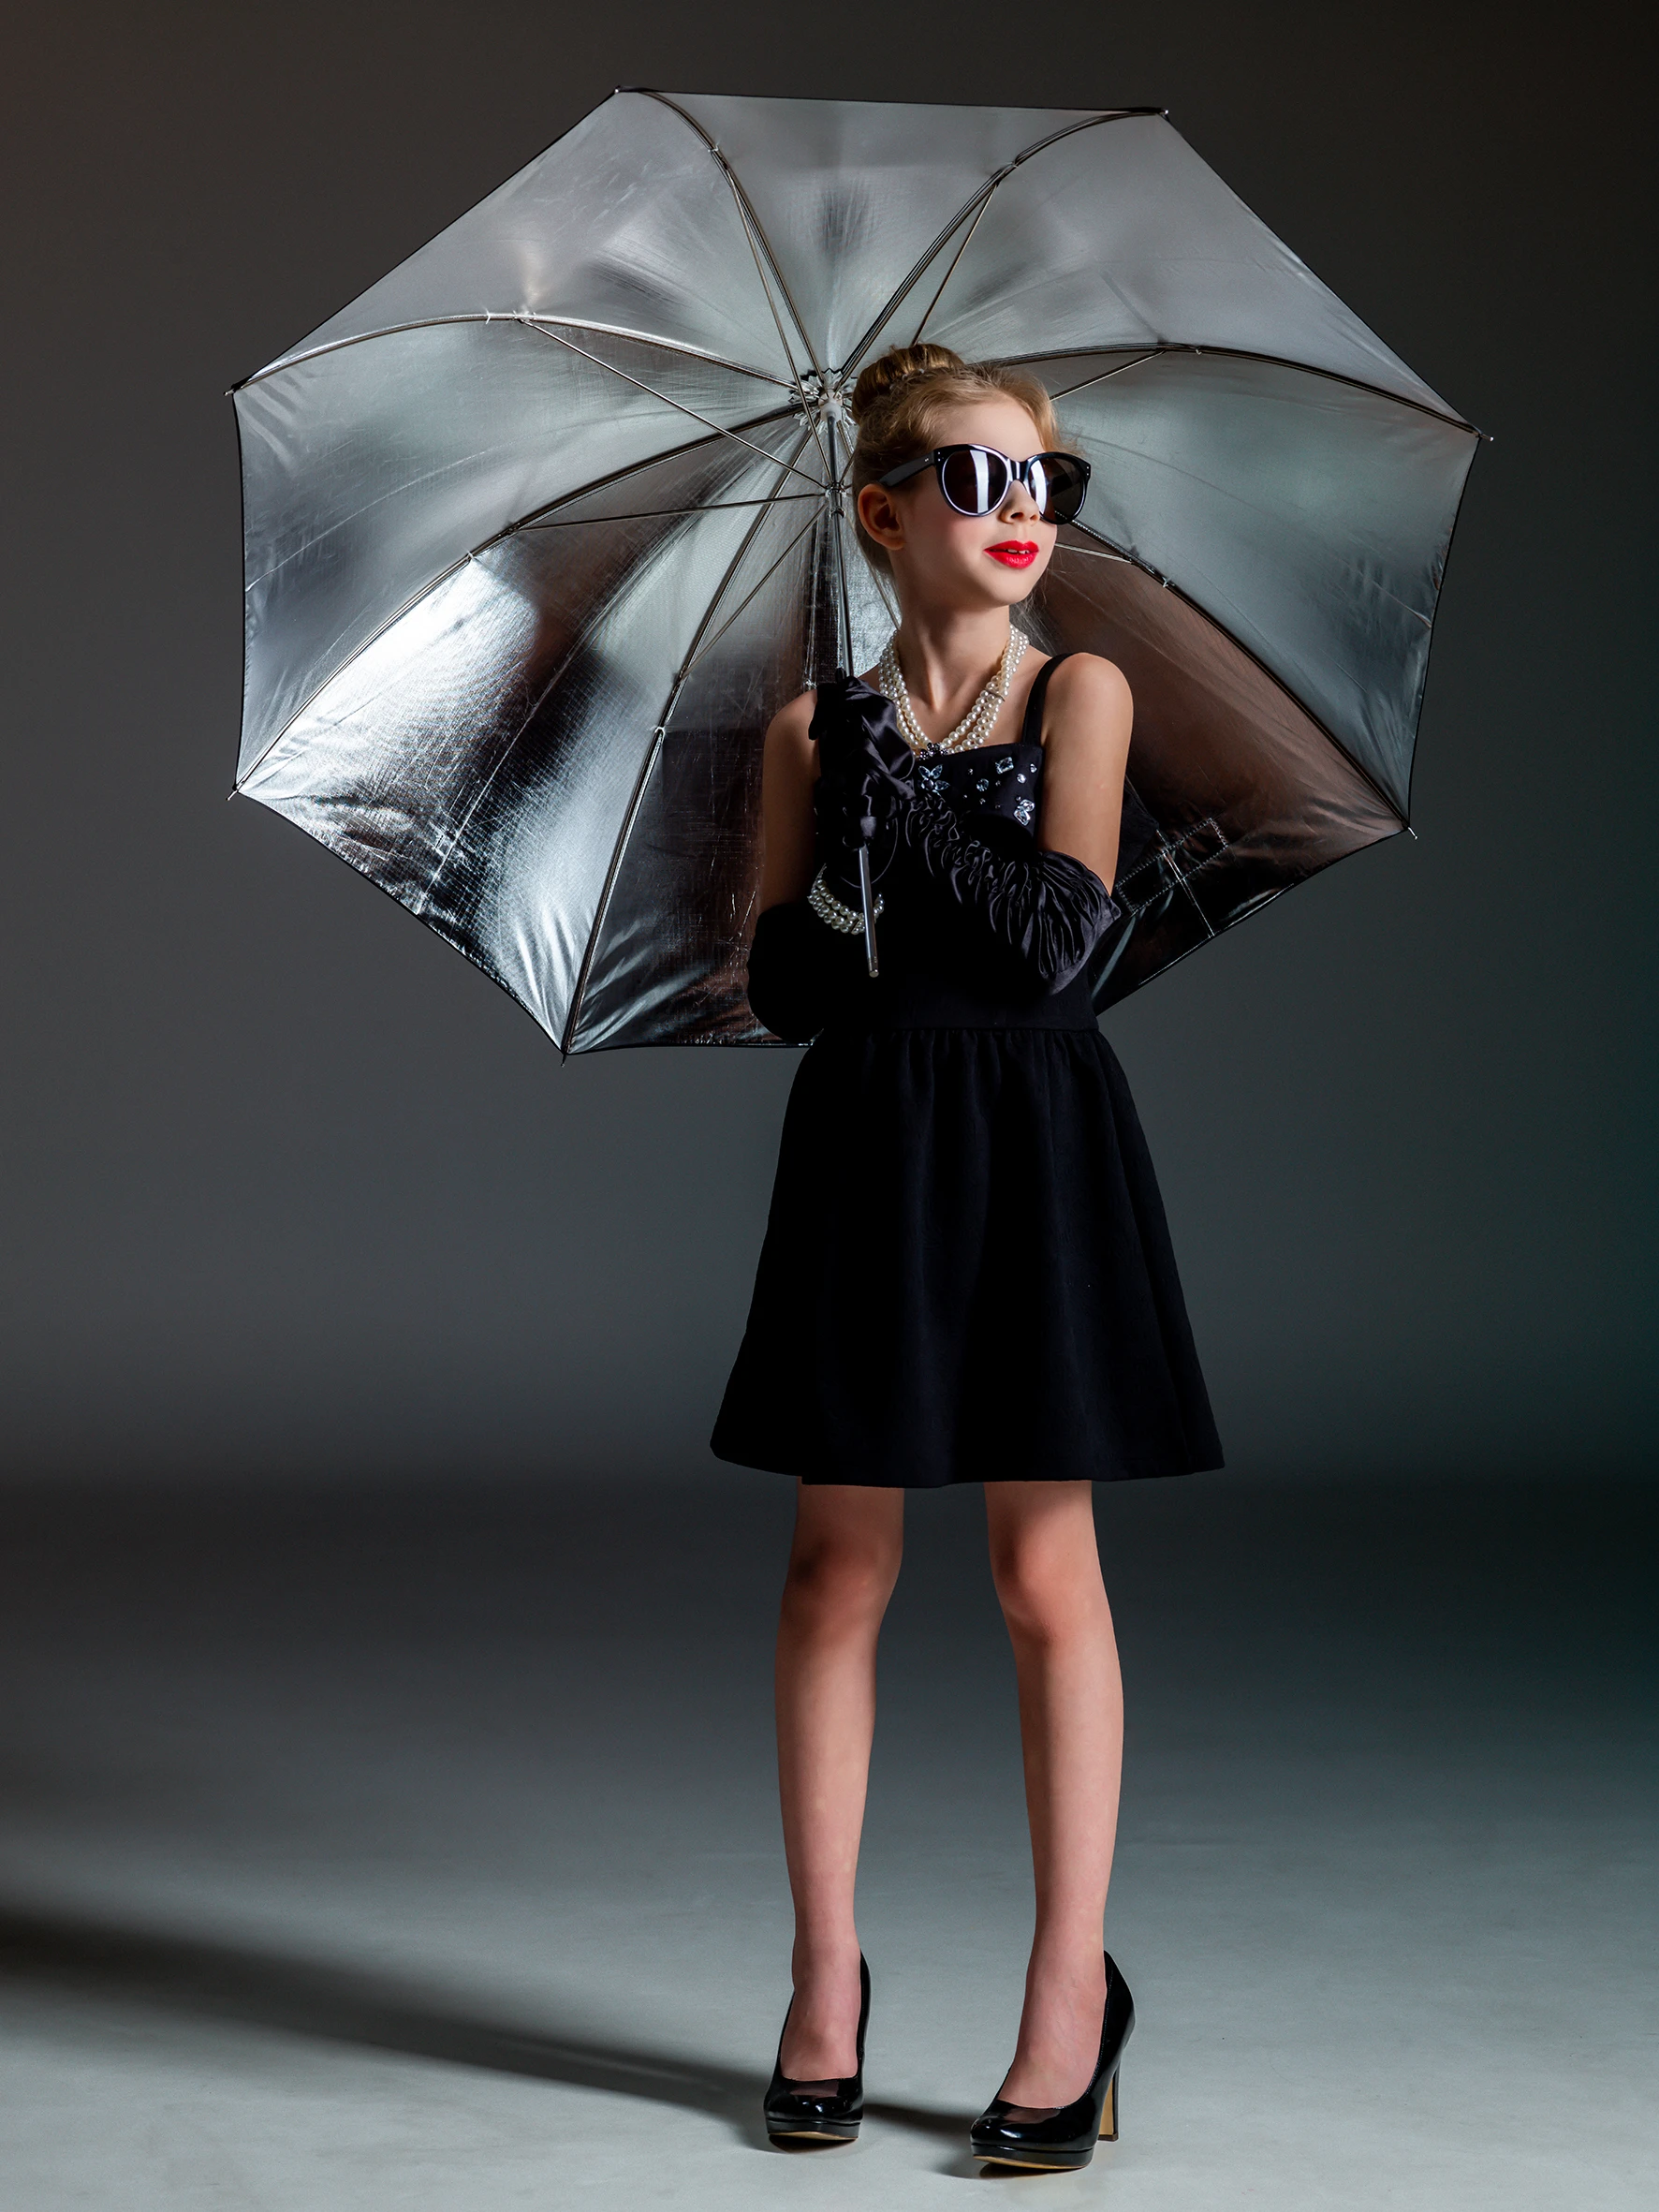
(975, 480)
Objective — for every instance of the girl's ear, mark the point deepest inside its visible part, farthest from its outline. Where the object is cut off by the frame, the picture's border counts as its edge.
(879, 513)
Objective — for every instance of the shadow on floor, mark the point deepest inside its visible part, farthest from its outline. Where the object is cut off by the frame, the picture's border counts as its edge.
(217, 1980)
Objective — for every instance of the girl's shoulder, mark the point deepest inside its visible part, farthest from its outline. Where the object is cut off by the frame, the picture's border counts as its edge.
(798, 710)
(1089, 700)
(789, 726)
(1086, 676)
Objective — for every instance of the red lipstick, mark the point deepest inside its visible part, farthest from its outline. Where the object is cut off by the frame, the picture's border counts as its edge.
(1014, 552)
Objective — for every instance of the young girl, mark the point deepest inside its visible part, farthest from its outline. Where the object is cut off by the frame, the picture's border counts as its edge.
(966, 1275)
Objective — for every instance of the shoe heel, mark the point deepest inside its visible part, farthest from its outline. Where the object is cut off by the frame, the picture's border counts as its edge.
(1065, 2140)
(1109, 2113)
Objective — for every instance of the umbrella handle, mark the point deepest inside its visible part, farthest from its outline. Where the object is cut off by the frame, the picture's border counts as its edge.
(867, 900)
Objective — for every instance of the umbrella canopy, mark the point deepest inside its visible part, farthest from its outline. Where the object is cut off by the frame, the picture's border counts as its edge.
(543, 529)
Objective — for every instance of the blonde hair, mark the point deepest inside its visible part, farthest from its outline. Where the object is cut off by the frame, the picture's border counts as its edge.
(897, 403)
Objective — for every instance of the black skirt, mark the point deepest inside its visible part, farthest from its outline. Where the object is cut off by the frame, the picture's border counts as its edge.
(967, 1274)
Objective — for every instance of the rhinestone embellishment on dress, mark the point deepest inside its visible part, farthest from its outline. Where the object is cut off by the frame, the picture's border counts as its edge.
(987, 788)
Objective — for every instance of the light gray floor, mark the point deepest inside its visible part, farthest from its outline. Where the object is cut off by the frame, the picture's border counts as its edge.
(422, 1852)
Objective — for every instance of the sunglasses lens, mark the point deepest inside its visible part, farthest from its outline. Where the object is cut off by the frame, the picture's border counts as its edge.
(974, 480)
(1057, 484)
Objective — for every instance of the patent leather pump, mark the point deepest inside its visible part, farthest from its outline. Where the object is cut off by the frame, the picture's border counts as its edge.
(1067, 2136)
(818, 2112)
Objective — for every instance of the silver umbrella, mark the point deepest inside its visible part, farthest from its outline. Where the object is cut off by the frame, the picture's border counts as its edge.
(543, 529)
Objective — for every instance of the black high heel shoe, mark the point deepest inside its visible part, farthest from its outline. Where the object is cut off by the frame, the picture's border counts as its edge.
(1067, 2136)
(799, 2111)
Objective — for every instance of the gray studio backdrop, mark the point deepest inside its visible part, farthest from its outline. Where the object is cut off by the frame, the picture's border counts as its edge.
(290, 1188)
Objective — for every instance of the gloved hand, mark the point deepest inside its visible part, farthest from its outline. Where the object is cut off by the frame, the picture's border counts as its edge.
(866, 775)
(1042, 913)
(800, 971)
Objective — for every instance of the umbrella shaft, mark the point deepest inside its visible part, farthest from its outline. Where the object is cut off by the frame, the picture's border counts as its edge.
(867, 900)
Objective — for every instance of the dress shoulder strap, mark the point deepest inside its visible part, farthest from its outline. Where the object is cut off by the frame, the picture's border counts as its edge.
(1031, 729)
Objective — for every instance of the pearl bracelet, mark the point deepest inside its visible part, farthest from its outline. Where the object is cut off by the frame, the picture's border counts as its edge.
(828, 907)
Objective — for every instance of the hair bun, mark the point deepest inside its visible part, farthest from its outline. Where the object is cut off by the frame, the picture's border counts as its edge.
(892, 368)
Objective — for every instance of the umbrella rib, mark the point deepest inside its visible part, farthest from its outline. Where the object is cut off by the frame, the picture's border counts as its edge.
(838, 546)
(691, 653)
(641, 782)
(646, 514)
(459, 832)
(826, 460)
(524, 320)
(1274, 360)
(356, 654)
(1168, 583)
(882, 592)
(1223, 493)
(971, 205)
(600, 483)
(703, 646)
(636, 800)
(1105, 376)
(582, 491)
(588, 628)
(752, 233)
(695, 649)
(536, 518)
(1359, 383)
(913, 275)
(757, 241)
(555, 338)
(747, 209)
(949, 273)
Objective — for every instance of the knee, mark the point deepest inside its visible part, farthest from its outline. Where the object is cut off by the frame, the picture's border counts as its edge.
(845, 1583)
(1046, 1594)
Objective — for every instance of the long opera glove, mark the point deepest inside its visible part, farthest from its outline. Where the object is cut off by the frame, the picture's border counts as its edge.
(1039, 915)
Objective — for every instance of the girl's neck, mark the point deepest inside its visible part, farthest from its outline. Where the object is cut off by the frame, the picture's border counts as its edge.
(947, 656)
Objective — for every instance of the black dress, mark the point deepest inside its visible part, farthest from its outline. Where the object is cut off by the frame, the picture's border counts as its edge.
(967, 1275)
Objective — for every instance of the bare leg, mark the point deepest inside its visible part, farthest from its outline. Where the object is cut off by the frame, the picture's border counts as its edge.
(842, 1566)
(1047, 1569)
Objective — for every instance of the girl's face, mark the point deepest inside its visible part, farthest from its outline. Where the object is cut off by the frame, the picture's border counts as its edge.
(969, 561)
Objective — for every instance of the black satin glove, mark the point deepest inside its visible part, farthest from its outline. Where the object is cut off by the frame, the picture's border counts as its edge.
(802, 972)
(866, 775)
(1042, 913)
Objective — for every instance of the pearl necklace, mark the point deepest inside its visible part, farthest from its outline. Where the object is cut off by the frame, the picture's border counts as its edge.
(975, 725)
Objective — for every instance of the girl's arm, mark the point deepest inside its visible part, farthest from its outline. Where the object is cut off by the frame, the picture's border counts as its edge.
(800, 969)
(1090, 714)
(788, 771)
